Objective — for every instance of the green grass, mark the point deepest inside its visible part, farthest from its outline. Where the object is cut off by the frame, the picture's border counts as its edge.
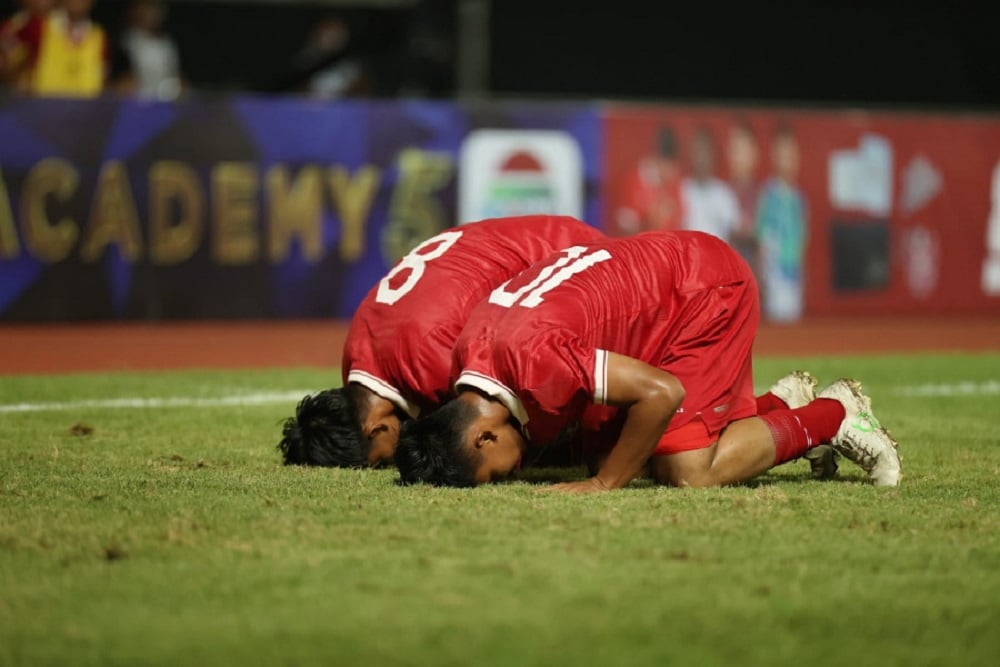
(172, 536)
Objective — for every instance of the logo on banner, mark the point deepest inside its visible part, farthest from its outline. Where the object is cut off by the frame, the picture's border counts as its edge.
(519, 172)
(861, 178)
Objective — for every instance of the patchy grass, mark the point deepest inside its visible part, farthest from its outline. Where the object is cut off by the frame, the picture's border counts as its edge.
(173, 536)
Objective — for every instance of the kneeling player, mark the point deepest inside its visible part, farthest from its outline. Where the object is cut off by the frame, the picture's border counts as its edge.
(658, 329)
(397, 357)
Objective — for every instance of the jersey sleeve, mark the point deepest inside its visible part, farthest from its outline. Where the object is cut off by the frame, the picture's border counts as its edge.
(558, 373)
(474, 364)
(361, 365)
(556, 377)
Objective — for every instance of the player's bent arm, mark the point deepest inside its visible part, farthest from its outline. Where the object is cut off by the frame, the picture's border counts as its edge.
(651, 396)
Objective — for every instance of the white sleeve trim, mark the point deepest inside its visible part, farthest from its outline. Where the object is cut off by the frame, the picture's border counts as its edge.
(496, 389)
(601, 377)
(384, 390)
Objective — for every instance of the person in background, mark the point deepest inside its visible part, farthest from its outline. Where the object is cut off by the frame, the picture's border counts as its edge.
(743, 157)
(709, 204)
(781, 232)
(63, 52)
(12, 53)
(147, 57)
(427, 67)
(328, 67)
(651, 194)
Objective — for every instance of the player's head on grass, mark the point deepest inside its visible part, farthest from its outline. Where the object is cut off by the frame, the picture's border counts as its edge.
(469, 441)
(325, 431)
(343, 428)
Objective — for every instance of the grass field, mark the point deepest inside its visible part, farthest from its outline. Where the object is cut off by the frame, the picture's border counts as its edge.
(172, 536)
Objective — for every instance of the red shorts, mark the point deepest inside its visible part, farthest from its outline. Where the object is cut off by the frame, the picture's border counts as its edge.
(691, 436)
(711, 356)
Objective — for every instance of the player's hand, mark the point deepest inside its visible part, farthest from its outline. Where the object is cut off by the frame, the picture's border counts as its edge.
(591, 485)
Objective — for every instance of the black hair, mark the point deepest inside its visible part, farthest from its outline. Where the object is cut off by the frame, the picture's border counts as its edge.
(431, 449)
(325, 431)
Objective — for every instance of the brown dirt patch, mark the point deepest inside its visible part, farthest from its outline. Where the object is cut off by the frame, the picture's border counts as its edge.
(124, 347)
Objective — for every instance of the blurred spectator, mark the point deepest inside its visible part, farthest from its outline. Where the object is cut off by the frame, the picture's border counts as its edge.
(147, 62)
(781, 230)
(709, 204)
(428, 65)
(651, 195)
(743, 157)
(61, 53)
(13, 54)
(327, 66)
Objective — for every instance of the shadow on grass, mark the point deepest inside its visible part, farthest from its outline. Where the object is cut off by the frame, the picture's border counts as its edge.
(544, 476)
(799, 478)
(549, 475)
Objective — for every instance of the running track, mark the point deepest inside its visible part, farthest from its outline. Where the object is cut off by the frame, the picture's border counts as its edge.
(31, 349)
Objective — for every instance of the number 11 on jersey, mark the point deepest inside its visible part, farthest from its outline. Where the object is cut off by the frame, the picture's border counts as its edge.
(573, 261)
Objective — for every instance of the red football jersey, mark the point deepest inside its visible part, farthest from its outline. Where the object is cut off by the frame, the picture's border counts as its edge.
(402, 335)
(681, 301)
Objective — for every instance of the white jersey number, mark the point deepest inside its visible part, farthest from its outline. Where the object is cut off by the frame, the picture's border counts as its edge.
(572, 262)
(416, 262)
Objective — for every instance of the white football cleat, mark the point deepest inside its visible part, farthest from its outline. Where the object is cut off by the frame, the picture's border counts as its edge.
(861, 437)
(798, 389)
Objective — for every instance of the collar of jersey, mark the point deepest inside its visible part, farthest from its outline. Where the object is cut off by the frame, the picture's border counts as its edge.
(498, 390)
(384, 390)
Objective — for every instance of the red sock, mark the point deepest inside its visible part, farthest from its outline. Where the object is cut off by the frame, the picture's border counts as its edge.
(797, 431)
(768, 403)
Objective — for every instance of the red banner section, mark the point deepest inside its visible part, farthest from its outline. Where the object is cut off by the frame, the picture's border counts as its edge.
(838, 212)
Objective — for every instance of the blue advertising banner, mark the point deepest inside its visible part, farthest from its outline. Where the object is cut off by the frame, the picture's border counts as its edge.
(257, 207)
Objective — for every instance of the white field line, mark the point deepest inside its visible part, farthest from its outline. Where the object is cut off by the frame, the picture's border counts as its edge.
(952, 389)
(261, 398)
(987, 388)
(970, 389)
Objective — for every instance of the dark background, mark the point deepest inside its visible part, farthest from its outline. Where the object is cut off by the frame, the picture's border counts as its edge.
(916, 54)
(810, 50)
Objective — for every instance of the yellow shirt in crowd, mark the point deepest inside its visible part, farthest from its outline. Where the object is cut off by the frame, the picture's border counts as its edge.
(64, 60)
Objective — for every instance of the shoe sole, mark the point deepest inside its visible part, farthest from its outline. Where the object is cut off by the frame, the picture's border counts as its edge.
(856, 389)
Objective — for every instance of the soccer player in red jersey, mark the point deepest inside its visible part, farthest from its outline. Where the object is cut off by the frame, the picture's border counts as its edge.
(398, 354)
(646, 341)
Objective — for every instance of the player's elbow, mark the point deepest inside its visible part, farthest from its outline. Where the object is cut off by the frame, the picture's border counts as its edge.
(631, 382)
(665, 391)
